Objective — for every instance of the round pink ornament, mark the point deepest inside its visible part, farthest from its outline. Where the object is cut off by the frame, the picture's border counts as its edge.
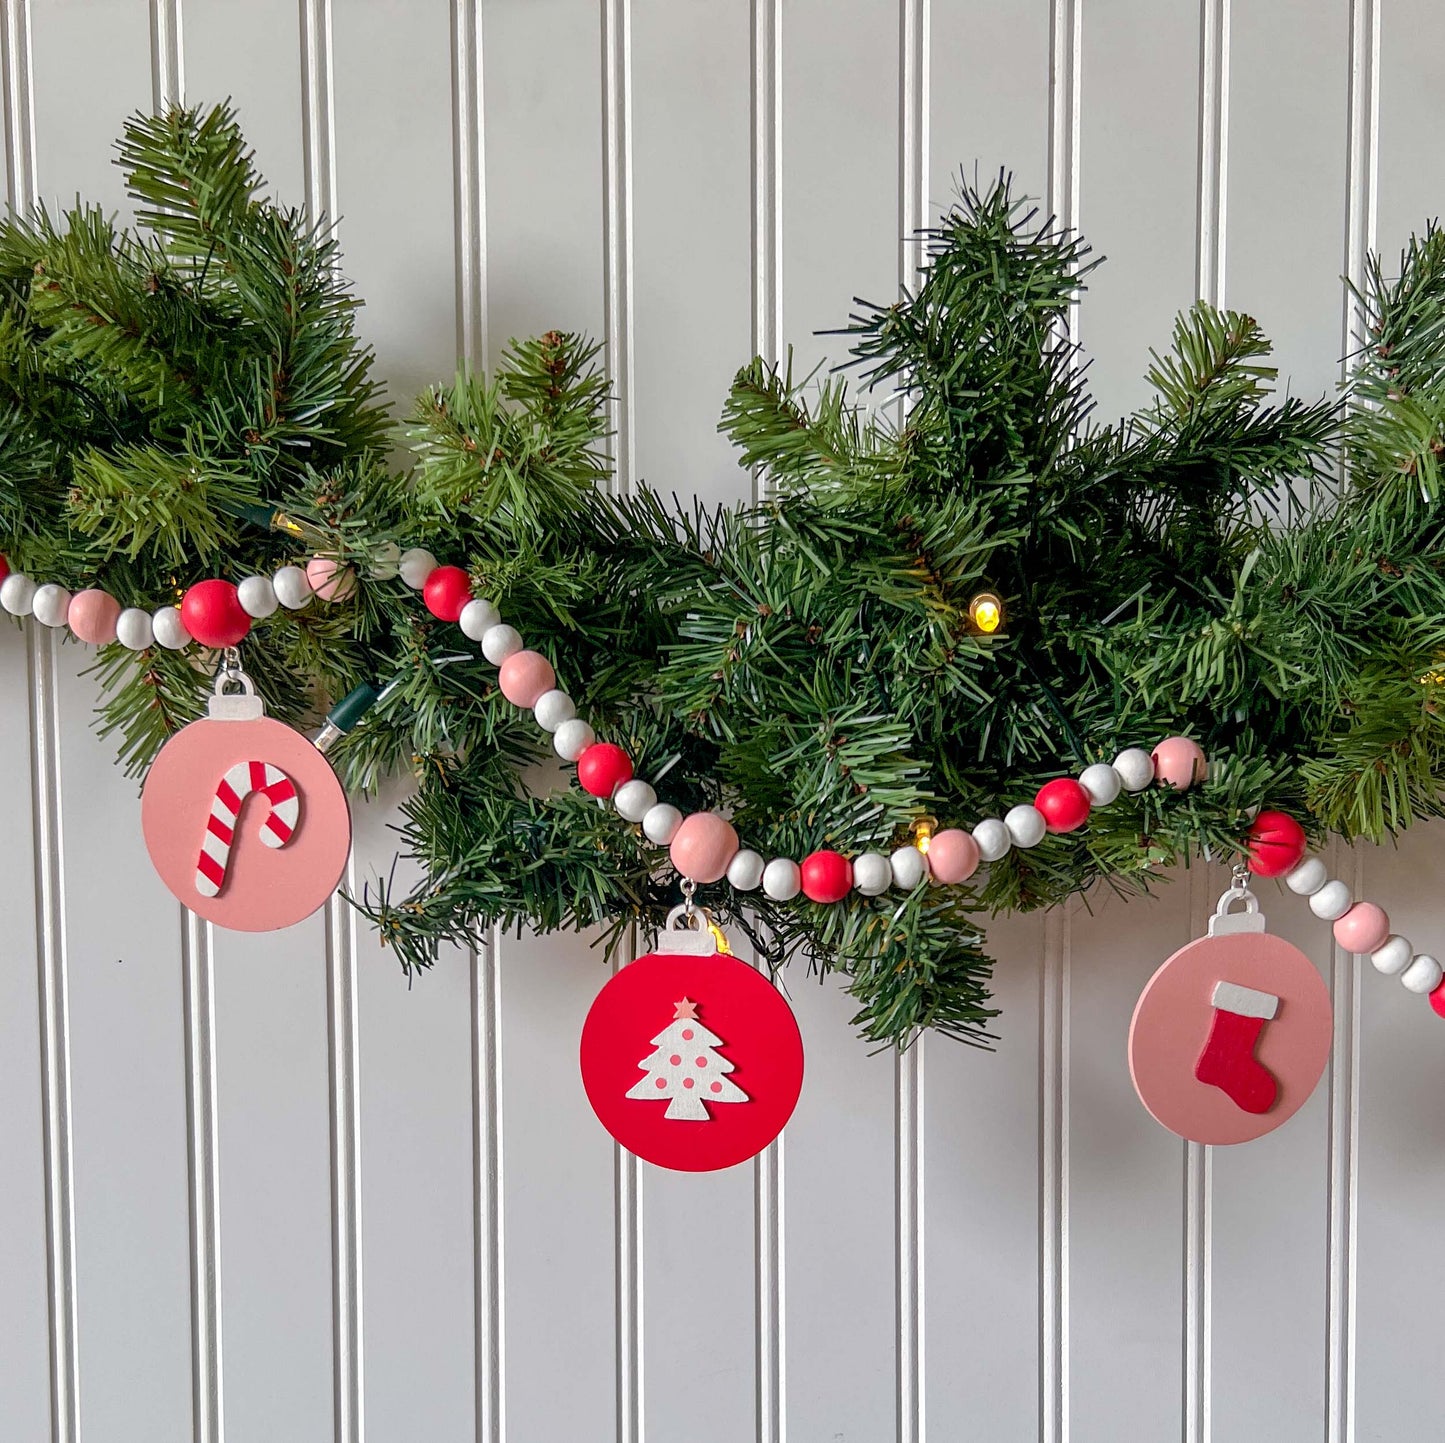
(952, 856)
(703, 846)
(1363, 928)
(1179, 762)
(93, 615)
(329, 579)
(1231, 1035)
(244, 819)
(524, 676)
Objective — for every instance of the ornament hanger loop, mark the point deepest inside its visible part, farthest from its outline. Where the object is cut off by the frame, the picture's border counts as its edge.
(689, 888)
(1251, 919)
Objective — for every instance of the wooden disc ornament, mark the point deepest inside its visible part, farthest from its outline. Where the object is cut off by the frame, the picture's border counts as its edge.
(1231, 1034)
(243, 817)
(691, 1059)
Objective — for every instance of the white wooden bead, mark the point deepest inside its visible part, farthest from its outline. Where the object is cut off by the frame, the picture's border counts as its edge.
(415, 566)
(782, 879)
(908, 866)
(1422, 975)
(17, 594)
(1101, 782)
(1026, 825)
(1308, 877)
(872, 874)
(51, 604)
(133, 629)
(257, 597)
(1394, 956)
(478, 617)
(572, 738)
(499, 642)
(660, 823)
(387, 561)
(745, 871)
(634, 800)
(992, 839)
(1331, 902)
(170, 630)
(293, 590)
(1135, 767)
(553, 708)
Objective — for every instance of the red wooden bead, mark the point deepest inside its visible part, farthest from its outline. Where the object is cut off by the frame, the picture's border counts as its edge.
(1276, 844)
(213, 614)
(1437, 1000)
(447, 591)
(4, 568)
(602, 768)
(827, 876)
(1064, 803)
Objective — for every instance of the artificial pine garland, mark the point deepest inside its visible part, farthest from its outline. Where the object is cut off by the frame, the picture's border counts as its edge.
(190, 400)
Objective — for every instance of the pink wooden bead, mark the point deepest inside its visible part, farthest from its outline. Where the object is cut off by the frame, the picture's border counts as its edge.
(524, 676)
(329, 579)
(1179, 762)
(1363, 928)
(703, 846)
(952, 856)
(93, 615)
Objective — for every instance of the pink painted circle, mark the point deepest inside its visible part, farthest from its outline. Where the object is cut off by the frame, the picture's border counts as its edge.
(1175, 1018)
(266, 887)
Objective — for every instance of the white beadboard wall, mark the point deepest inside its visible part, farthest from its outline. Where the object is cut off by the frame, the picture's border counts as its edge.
(259, 1188)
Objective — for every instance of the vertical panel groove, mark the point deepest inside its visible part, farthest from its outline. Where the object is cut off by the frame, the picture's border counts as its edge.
(469, 169)
(1198, 1171)
(1362, 174)
(617, 324)
(470, 208)
(767, 270)
(1054, 985)
(913, 115)
(51, 953)
(319, 135)
(487, 1211)
(1065, 84)
(1198, 1179)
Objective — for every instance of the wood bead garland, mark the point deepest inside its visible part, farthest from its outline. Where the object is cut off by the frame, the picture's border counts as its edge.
(51, 605)
(1179, 763)
(213, 614)
(827, 876)
(525, 677)
(1363, 929)
(446, 592)
(604, 766)
(702, 847)
(330, 579)
(93, 615)
(134, 629)
(952, 856)
(1064, 804)
(292, 588)
(1276, 844)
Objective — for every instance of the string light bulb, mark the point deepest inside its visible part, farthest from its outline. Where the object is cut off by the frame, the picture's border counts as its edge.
(985, 612)
(923, 834)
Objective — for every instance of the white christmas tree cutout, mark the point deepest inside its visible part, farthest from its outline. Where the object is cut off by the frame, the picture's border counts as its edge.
(686, 1069)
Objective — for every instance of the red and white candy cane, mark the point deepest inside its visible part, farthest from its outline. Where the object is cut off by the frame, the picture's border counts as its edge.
(239, 783)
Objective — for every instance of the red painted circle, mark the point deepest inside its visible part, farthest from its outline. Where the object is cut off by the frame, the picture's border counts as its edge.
(1173, 1021)
(447, 591)
(827, 876)
(266, 888)
(735, 1003)
(1064, 803)
(602, 768)
(1276, 844)
(213, 614)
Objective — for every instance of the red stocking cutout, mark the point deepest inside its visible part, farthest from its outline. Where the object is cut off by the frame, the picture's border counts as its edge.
(1228, 1061)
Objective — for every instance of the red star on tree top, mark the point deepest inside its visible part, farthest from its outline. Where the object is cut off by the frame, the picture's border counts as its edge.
(686, 1011)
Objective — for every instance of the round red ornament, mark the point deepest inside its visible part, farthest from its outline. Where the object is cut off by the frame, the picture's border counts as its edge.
(1064, 804)
(690, 1058)
(1276, 844)
(602, 767)
(827, 876)
(213, 614)
(1231, 1035)
(447, 591)
(244, 819)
